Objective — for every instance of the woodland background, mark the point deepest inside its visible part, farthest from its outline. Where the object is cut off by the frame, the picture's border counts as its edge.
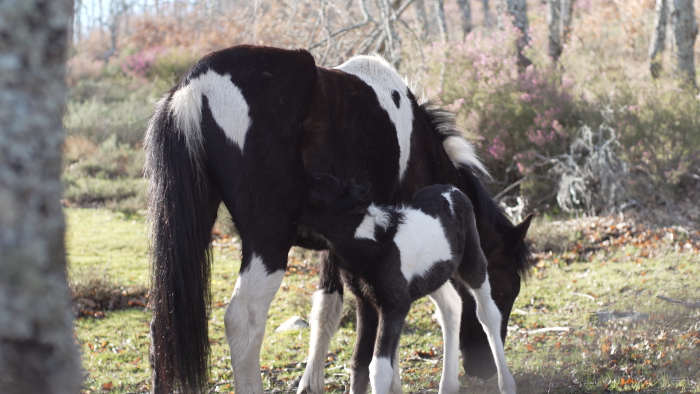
(566, 114)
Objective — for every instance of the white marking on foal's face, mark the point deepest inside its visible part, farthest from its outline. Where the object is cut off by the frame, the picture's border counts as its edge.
(422, 243)
(375, 217)
(227, 104)
(392, 95)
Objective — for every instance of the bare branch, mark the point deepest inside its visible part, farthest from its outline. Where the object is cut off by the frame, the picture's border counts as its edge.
(687, 304)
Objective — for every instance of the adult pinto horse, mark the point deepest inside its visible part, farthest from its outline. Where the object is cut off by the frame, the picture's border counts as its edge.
(244, 126)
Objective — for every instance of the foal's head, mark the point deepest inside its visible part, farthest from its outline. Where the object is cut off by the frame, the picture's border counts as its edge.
(334, 204)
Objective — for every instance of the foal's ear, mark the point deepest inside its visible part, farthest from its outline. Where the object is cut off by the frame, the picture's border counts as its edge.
(360, 206)
(363, 190)
(518, 233)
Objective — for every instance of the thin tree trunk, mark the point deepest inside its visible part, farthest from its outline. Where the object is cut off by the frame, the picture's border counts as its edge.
(518, 10)
(487, 15)
(554, 25)
(685, 29)
(422, 18)
(37, 348)
(440, 13)
(466, 8)
(567, 8)
(658, 38)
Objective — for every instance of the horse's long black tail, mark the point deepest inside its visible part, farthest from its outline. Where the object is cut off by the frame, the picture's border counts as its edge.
(182, 209)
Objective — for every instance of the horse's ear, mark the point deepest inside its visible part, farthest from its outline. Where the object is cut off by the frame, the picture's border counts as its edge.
(517, 235)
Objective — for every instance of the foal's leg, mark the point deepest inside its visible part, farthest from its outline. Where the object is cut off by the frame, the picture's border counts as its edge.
(367, 322)
(382, 368)
(490, 319)
(449, 306)
(325, 317)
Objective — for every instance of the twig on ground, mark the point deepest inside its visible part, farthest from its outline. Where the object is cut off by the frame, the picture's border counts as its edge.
(687, 304)
(584, 295)
(549, 329)
(219, 383)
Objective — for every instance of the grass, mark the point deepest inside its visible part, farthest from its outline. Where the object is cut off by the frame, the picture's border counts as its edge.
(659, 354)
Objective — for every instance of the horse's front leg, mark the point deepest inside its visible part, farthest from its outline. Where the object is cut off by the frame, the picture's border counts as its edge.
(490, 319)
(246, 315)
(326, 311)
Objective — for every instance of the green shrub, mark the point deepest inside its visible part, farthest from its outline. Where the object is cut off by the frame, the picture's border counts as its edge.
(172, 64)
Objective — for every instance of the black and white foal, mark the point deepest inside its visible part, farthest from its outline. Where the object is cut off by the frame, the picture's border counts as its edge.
(390, 257)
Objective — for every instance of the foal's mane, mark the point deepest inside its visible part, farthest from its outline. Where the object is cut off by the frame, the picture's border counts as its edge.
(442, 124)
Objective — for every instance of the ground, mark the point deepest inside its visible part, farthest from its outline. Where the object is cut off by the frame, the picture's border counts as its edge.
(587, 320)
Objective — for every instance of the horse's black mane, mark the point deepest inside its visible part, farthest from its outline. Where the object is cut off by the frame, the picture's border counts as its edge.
(442, 122)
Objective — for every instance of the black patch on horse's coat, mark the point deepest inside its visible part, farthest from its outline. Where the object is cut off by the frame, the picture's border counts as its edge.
(396, 97)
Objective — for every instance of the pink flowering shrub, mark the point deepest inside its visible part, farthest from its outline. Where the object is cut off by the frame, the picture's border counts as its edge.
(139, 64)
(511, 114)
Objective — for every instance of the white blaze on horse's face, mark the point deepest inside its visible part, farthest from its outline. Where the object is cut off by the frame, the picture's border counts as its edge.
(228, 107)
(422, 242)
(392, 95)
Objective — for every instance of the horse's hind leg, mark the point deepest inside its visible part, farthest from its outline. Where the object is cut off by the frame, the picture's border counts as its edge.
(324, 320)
(246, 315)
(449, 306)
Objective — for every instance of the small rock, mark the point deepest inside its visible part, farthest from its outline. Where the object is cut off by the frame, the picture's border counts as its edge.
(293, 323)
(630, 316)
(87, 302)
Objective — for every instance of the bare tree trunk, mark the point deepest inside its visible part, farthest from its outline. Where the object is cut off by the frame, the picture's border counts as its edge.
(487, 15)
(567, 8)
(658, 38)
(466, 8)
(554, 25)
(37, 349)
(442, 25)
(518, 10)
(685, 29)
(422, 18)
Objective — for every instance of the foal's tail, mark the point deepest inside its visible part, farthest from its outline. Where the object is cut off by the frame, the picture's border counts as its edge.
(182, 208)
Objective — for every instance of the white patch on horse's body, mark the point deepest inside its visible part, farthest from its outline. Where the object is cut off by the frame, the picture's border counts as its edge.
(375, 217)
(490, 318)
(462, 153)
(448, 197)
(245, 322)
(228, 107)
(449, 306)
(421, 242)
(326, 311)
(381, 374)
(384, 80)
